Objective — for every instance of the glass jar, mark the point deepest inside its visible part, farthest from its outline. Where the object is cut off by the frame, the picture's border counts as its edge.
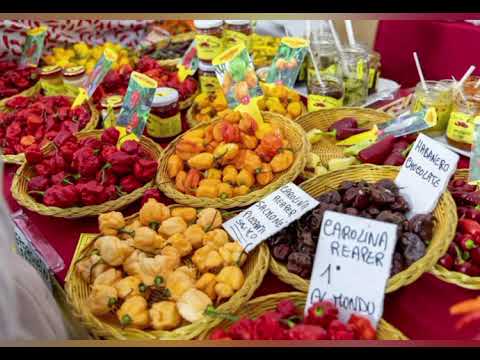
(329, 93)
(164, 120)
(208, 79)
(209, 38)
(461, 127)
(438, 95)
(374, 67)
(74, 76)
(354, 62)
(326, 58)
(52, 74)
(236, 32)
(111, 107)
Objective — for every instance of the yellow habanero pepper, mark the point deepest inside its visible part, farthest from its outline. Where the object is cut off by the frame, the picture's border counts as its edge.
(134, 313)
(225, 191)
(202, 161)
(111, 222)
(226, 152)
(188, 214)
(213, 173)
(174, 165)
(265, 175)
(230, 174)
(252, 162)
(153, 212)
(246, 178)
(164, 315)
(207, 190)
(241, 190)
(282, 161)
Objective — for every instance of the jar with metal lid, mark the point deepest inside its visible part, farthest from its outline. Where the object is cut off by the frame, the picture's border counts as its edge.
(111, 107)
(209, 38)
(236, 32)
(207, 77)
(326, 93)
(438, 95)
(354, 62)
(52, 74)
(164, 120)
(74, 75)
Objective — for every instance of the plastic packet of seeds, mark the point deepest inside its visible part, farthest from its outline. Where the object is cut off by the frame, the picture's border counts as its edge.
(408, 124)
(287, 62)
(136, 107)
(474, 173)
(33, 46)
(188, 65)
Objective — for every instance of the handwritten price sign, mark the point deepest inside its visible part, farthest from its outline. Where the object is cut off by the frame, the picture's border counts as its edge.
(269, 216)
(352, 264)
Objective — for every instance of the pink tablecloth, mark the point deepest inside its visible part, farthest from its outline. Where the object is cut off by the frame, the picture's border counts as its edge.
(444, 48)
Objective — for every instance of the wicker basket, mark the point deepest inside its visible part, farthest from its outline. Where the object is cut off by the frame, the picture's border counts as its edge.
(294, 134)
(78, 290)
(260, 305)
(323, 119)
(454, 277)
(445, 214)
(20, 158)
(24, 172)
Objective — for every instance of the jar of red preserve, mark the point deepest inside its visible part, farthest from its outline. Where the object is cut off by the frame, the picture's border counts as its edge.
(164, 120)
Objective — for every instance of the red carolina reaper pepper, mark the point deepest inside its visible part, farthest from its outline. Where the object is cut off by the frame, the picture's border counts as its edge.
(61, 196)
(322, 313)
(145, 169)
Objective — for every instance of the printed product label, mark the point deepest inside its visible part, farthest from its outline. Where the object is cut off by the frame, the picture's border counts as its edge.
(232, 38)
(164, 127)
(461, 127)
(319, 102)
(209, 84)
(208, 46)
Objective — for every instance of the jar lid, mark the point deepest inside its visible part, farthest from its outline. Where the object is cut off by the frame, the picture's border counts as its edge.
(49, 70)
(114, 101)
(74, 71)
(237, 22)
(203, 66)
(165, 96)
(207, 24)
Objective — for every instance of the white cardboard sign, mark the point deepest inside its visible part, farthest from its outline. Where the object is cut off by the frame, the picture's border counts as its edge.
(269, 216)
(425, 174)
(352, 265)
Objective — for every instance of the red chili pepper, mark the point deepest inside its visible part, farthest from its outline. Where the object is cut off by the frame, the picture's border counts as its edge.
(107, 151)
(362, 327)
(395, 159)
(321, 313)
(92, 193)
(86, 162)
(111, 192)
(62, 137)
(345, 133)
(446, 261)
(122, 163)
(219, 334)
(33, 155)
(344, 124)
(468, 226)
(339, 331)
(106, 176)
(192, 180)
(287, 308)
(38, 183)
(110, 136)
(378, 152)
(57, 163)
(58, 178)
(145, 170)
(243, 329)
(94, 143)
(129, 183)
(61, 196)
(307, 332)
(466, 242)
(43, 169)
(68, 149)
(268, 327)
(151, 193)
(130, 147)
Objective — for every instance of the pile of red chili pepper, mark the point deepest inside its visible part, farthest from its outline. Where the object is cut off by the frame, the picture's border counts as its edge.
(389, 151)
(14, 80)
(37, 120)
(287, 323)
(463, 254)
(88, 172)
(116, 81)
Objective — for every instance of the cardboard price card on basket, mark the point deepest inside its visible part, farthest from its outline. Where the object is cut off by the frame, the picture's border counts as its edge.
(425, 174)
(269, 216)
(352, 265)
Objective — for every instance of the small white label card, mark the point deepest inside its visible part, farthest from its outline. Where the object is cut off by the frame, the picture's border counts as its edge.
(269, 216)
(425, 174)
(352, 265)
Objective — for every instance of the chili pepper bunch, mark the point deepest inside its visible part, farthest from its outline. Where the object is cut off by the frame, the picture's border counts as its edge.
(286, 323)
(463, 254)
(90, 171)
(37, 120)
(14, 80)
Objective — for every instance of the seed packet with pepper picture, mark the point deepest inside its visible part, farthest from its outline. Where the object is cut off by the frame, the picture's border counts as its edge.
(189, 64)
(288, 61)
(33, 46)
(136, 107)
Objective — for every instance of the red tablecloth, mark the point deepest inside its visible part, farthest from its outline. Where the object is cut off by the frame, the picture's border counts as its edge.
(419, 310)
(444, 48)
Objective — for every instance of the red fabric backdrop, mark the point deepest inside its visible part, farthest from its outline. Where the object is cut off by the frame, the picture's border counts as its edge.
(444, 48)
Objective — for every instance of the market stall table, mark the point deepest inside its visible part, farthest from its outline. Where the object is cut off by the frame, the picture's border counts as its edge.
(419, 310)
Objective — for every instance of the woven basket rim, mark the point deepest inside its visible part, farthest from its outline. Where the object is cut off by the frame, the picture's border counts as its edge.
(105, 329)
(20, 194)
(406, 276)
(168, 188)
